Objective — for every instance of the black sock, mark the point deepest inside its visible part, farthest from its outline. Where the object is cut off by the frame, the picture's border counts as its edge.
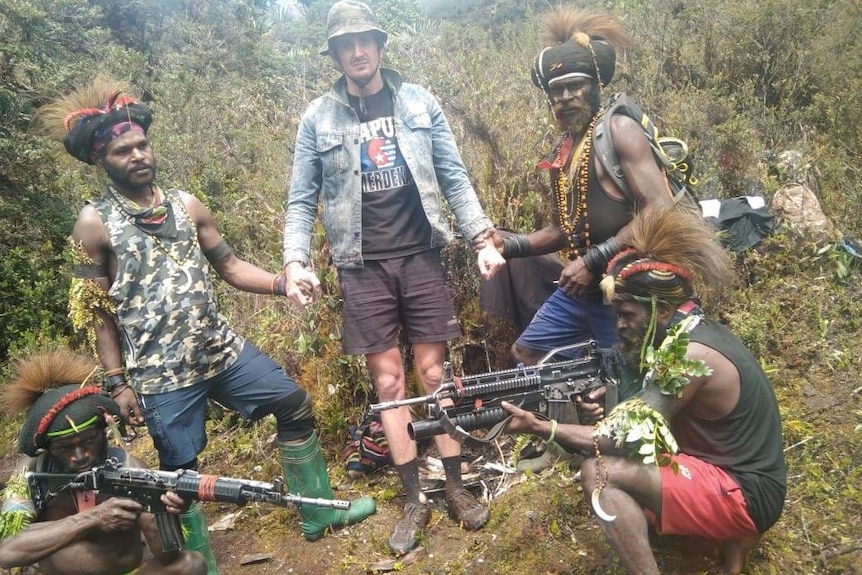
(452, 467)
(409, 474)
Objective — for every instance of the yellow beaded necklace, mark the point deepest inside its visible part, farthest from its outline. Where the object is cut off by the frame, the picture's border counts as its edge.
(166, 249)
(574, 198)
(192, 244)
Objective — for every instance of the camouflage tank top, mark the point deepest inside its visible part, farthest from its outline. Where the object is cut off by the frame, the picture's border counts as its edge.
(171, 333)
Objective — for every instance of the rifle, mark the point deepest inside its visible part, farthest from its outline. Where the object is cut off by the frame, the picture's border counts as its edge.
(473, 402)
(147, 485)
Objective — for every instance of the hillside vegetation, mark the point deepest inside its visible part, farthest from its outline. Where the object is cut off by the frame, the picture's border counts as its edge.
(227, 80)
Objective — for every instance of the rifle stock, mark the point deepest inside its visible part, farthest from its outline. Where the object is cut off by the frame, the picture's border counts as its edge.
(146, 486)
(462, 405)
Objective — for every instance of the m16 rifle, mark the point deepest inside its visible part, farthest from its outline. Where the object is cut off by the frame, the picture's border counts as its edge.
(464, 404)
(147, 485)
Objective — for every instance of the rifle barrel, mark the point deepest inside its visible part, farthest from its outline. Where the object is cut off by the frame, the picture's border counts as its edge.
(384, 405)
(317, 502)
(419, 430)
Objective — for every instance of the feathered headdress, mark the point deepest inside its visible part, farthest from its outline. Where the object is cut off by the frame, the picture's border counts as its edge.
(578, 43)
(88, 118)
(56, 391)
(672, 255)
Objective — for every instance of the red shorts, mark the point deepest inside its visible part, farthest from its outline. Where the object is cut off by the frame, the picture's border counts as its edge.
(702, 500)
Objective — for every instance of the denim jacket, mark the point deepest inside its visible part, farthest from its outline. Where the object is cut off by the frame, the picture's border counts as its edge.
(326, 167)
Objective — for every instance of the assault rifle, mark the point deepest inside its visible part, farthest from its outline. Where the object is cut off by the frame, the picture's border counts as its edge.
(461, 405)
(147, 485)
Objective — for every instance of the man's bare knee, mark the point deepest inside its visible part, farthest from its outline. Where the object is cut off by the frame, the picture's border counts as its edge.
(190, 563)
(389, 387)
(525, 355)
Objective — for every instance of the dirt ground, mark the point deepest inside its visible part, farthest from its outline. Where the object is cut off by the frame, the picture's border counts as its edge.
(539, 522)
(542, 512)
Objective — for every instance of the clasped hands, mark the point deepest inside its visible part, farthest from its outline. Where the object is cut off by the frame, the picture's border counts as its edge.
(302, 284)
(488, 253)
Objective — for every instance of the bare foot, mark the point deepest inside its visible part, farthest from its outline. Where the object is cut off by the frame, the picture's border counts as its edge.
(736, 554)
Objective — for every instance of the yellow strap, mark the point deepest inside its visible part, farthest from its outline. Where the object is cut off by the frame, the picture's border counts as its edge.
(553, 431)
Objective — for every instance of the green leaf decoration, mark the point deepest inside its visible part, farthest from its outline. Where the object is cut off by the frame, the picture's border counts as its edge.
(636, 427)
(17, 508)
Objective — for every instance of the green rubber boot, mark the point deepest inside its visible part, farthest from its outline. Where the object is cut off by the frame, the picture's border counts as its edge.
(197, 536)
(306, 475)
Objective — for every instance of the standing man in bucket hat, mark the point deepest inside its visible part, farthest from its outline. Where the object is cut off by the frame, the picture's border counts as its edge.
(379, 154)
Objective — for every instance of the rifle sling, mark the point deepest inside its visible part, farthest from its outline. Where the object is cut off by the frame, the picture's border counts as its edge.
(84, 499)
(464, 438)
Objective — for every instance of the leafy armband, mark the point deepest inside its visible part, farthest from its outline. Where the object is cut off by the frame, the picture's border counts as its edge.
(86, 296)
(641, 425)
(17, 510)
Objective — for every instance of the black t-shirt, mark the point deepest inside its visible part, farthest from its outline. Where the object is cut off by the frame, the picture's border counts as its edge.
(393, 221)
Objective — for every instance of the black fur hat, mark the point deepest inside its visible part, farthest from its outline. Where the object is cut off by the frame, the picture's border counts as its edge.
(596, 60)
(578, 43)
(63, 410)
(55, 389)
(92, 128)
(90, 116)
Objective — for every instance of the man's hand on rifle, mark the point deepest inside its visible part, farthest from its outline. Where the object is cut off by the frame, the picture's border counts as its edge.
(115, 514)
(174, 503)
(591, 406)
(524, 421)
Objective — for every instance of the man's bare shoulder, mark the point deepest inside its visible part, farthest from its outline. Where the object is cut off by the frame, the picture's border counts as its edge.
(718, 391)
(626, 125)
(88, 216)
(629, 137)
(630, 142)
(90, 231)
(192, 204)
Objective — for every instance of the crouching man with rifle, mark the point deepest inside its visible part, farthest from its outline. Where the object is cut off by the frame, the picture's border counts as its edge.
(698, 450)
(81, 506)
(149, 487)
(77, 531)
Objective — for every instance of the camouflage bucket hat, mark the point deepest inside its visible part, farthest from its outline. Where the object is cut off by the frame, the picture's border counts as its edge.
(351, 17)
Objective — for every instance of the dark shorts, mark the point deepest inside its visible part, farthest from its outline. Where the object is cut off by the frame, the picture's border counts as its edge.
(176, 419)
(386, 295)
(564, 320)
(702, 500)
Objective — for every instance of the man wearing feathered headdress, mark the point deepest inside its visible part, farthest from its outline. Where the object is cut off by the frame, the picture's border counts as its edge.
(64, 432)
(699, 447)
(591, 212)
(142, 261)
